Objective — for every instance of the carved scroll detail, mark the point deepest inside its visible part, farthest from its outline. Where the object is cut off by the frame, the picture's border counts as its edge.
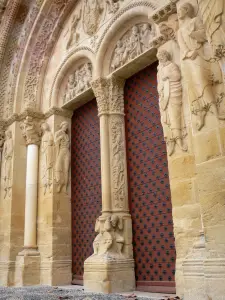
(118, 161)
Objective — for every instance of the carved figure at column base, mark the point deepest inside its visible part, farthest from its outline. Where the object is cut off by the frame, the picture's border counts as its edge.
(108, 270)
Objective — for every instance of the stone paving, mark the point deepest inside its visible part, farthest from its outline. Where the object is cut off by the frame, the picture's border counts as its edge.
(56, 293)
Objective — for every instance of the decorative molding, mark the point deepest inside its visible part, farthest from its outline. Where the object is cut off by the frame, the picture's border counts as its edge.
(59, 112)
(116, 95)
(7, 155)
(164, 12)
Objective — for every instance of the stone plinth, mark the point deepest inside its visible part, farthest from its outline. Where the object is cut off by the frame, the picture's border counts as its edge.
(27, 270)
(108, 274)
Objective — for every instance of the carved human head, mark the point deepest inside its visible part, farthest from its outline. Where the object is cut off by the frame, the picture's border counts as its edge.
(8, 134)
(45, 126)
(64, 126)
(114, 220)
(135, 29)
(163, 56)
(163, 28)
(119, 43)
(186, 10)
(71, 78)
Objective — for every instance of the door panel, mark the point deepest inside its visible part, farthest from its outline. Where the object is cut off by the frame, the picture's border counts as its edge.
(86, 184)
(149, 188)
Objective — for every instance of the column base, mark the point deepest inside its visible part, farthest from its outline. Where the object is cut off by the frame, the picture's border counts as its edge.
(109, 274)
(27, 271)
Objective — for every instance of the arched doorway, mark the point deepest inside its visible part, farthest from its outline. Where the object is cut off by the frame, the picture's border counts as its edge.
(85, 184)
(149, 189)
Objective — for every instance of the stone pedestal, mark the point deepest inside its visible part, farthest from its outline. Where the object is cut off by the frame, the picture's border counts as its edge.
(107, 274)
(27, 270)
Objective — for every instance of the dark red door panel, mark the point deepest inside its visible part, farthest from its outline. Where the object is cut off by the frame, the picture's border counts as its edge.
(149, 188)
(85, 182)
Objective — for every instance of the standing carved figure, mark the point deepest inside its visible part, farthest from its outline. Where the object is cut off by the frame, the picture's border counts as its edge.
(73, 34)
(119, 55)
(134, 43)
(170, 103)
(62, 145)
(92, 11)
(196, 70)
(7, 156)
(47, 150)
(147, 34)
(213, 16)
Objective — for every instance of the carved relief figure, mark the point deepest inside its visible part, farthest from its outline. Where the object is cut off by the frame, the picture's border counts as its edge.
(30, 131)
(113, 5)
(78, 82)
(196, 70)
(7, 167)
(109, 238)
(47, 150)
(170, 103)
(3, 4)
(118, 164)
(213, 16)
(92, 11)
(73, 34)
(62, 145)
(132, 44)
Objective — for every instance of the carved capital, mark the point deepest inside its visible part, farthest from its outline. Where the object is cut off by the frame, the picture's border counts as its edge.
(100, 87)
(30, 131)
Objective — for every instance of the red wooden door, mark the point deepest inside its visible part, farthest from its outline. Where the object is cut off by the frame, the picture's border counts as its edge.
(149, 189)
(86, 184)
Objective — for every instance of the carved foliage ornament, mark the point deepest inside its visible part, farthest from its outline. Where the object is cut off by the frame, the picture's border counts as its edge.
(118, 161)
(110, 238)
(30, 131)
(78, 82)
(134, 42)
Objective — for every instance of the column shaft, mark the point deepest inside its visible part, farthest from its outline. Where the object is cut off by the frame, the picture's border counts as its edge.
(30, 232)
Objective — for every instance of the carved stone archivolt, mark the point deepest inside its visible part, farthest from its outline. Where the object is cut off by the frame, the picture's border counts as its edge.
(134, 42)
(78, 82)
(62, 153)
(110, 240)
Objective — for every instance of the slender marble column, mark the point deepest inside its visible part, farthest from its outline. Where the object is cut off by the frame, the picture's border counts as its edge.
(32, 137)
(30, 231)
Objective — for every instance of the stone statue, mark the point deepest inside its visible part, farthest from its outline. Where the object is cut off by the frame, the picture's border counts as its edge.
(7, 167)
(109, 238)
(170, 101)
(73, 34)
(47, 150)
(62, 145)
(30, 131)
(120, 55)
(70, 88)
(213, 16)
(92, 11)
(134, 45)
(147, 34)
(196, 69)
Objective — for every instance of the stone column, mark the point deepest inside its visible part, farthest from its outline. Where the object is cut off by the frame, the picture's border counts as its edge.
(28, 261)
(111, 267)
